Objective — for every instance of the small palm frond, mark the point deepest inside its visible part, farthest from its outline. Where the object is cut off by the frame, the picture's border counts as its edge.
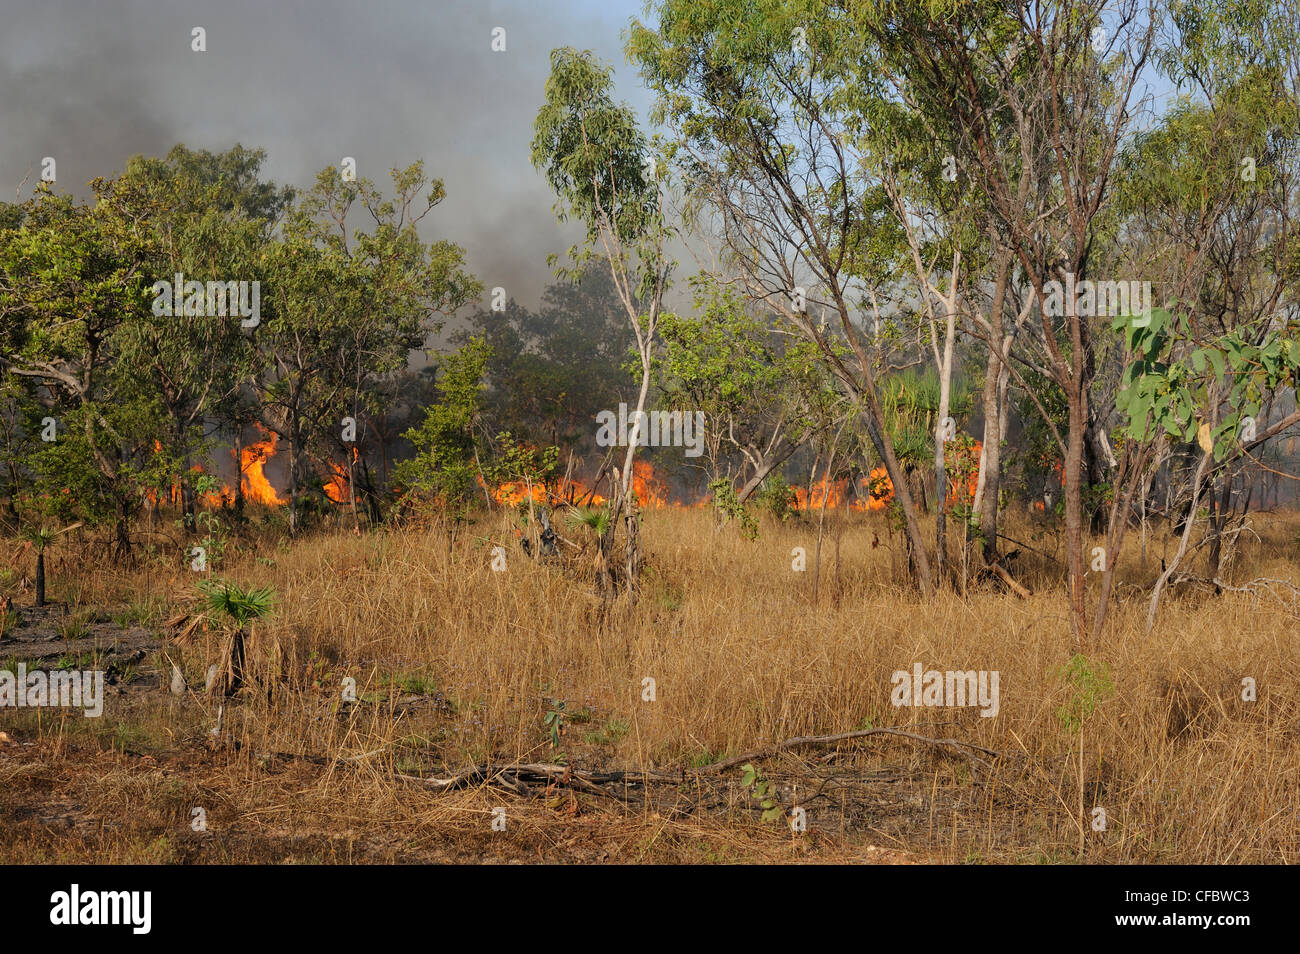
(593, 517)
(913, 444)
(43, 536)
(240, 605)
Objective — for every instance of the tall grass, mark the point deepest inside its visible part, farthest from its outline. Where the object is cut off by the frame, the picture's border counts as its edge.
(1162, 740)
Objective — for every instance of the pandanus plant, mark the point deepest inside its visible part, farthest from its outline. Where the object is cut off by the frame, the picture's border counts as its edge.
(235, 608)
(41, 539)
(596, 519)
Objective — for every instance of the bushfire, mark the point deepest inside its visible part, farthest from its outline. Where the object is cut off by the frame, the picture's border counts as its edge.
(871, 493)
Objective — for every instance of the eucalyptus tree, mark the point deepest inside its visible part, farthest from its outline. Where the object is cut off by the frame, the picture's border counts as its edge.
(598, 163)
(72, 277)
(765, 111)
(762, 392)
(1059, 80)
(214, 216)
(347, 306)
(554, 368)
(1208, 198)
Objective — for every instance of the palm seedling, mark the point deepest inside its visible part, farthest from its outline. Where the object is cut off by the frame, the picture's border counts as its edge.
(235, 608)
(41, 539)
(596, 519)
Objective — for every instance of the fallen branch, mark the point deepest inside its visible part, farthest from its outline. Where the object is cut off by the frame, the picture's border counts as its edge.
(807, 740)
(518, 776)
(1253, 587)
(1009, 581)
(512, 776)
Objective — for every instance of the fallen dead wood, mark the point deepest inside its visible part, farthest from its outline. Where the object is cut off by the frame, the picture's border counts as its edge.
(1009, 581)
(542, 773)
(807, 740)
(518, 776)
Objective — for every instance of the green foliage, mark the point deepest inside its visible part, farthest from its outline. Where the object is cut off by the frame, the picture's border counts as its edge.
(1090, 684)
(76, 626)
(1174, 386)
(553, 722)
(911, 402)
(727, 504)
(553, 369)
(209, 522)
(611, 733)
(596, 519)
(237, 604)
(777, 497)
(519, 462)
(73, 279)
(591, 149)
(762, 791)
(445, 443)
(751, 381)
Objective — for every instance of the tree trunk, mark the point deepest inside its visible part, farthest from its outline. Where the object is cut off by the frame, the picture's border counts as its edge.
(40, 577)
(1220, 522)
(761, 473)
(371, 494)
(941, 468)
(293, 486)
(122, 547)
(1154, 604)
(232, 673)
(1074, 514)
(1100, 466)
(902, 494)
(988, 487)
(605, 545)
(239, 472)
(187, 496)
(632, 550)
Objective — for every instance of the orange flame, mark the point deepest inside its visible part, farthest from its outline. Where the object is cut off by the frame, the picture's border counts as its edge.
(873, 493)
(512, 493)
(646, 484)
(252, 462)
(225, 497)
(337, 487)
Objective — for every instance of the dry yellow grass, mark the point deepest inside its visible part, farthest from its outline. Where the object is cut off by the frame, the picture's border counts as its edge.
(456, 664)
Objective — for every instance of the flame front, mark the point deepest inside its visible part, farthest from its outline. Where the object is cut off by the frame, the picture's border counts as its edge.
(873, 493)
(512, 493)
(252, 462)
(649, 488)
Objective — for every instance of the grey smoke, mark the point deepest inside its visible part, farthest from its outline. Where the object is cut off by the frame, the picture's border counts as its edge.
(385, 82)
